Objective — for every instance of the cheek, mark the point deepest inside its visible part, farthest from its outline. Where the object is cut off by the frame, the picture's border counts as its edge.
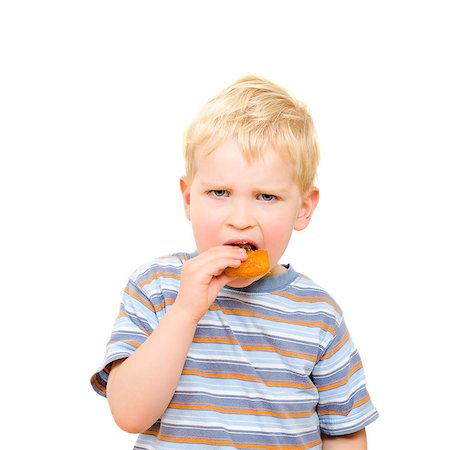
(278, 225)
(206, 229)
(276, 234)
(276, 237)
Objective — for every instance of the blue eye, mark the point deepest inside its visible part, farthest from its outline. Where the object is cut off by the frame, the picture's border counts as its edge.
(218, 192)
(268, 197)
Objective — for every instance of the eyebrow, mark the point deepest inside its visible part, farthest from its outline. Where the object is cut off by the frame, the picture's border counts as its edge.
(204, 183)
(212, 183)
(266, 189)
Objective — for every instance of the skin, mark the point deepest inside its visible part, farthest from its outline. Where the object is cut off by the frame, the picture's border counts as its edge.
(227, 200)
(232, 200)
(354, 441)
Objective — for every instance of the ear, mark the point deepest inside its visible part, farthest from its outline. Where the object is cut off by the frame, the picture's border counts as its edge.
(186, 193)
(306, 209)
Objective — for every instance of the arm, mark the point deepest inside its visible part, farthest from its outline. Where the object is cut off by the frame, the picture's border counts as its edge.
(354, 441)
(140, 387)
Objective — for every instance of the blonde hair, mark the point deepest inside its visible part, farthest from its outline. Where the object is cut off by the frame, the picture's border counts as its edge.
(258, 114)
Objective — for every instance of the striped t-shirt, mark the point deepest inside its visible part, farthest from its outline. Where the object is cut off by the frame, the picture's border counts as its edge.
(271, 366)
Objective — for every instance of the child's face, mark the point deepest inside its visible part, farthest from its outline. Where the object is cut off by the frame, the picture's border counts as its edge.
(232, 200)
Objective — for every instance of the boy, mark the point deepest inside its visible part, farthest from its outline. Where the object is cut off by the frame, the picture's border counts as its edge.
(201, 360)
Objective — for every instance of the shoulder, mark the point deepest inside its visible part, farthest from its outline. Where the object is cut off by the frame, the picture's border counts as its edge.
(305, 290)
(161, 270)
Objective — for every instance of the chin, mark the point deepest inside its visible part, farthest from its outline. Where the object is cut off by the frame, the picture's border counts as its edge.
(242, 282)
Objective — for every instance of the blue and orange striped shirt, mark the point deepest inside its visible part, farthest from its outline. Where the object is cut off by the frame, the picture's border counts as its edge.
(271, 366)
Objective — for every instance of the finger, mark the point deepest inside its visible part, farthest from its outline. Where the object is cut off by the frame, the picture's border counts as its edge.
(225, 251)
(216, 267)
(223, 280)
(214, 260)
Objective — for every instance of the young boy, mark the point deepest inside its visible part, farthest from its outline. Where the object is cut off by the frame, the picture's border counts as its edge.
(200, 360)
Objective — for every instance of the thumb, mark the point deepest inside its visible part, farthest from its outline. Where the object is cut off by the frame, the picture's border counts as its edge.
(217, 283)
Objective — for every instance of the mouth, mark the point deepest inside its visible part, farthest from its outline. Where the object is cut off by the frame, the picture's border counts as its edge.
(246, 245)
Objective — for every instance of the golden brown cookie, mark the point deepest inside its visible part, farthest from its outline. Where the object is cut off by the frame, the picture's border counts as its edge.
(256, 264)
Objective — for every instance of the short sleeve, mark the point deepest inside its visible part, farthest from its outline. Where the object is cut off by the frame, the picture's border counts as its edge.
(136, 320)
(344, 404)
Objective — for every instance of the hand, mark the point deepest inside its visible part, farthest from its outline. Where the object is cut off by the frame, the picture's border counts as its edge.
(202, 278)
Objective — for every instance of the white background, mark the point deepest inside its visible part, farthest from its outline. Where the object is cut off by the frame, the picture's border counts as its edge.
(94, 98)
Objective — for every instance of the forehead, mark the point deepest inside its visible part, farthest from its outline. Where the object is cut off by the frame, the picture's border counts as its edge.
(229, 162)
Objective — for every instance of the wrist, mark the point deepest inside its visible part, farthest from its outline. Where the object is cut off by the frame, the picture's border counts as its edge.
(184, 314)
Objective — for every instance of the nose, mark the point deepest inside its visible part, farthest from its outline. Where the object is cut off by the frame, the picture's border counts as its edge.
(241, 215)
